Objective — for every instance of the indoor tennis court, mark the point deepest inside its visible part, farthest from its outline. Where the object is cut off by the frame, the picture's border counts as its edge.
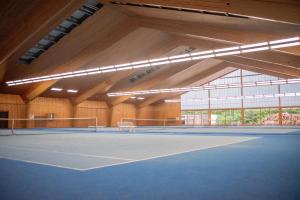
(150, 100)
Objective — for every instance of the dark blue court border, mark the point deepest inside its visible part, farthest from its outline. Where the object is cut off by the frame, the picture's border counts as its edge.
(261, 169)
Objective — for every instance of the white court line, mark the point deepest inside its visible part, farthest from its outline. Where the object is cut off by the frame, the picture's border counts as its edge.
(66, 153)
(173, 154)
(133, 161)
(40, 163)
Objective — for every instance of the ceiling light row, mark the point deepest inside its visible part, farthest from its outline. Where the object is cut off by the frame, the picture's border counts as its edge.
(68, 90)
(258, 96)
(263, 46)
(139, 98)
(208, 87)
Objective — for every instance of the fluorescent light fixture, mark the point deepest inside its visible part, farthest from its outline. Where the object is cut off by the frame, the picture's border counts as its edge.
(96, 72)
(254, 45)
(108, 67)
(249, 84)
(133, 97)
(166, 60)
(285, 45)
(108, 70)
(263, 83)
(56, 89)
(294, 80)
(255, 49)
(93, 69)
(284, 40)
(202, 57)
(206, 87)
(140, 66)
(226, 49)
(69, 76)
(234, 85)
(228, 53)
(122, 65)
(180, 60)
(158, 59)
(201, 53)
(289, 94)
(139, 62)
(278, 82)
(123, 68)
(258, 96)
(160, 63)
(221, 86)
(140, 98)
(72, 91)
(179, 56)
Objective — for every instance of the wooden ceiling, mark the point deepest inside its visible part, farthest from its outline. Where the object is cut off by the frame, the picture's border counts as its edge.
(133, 30)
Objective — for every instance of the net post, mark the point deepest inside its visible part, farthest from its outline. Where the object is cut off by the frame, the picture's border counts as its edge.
(12, 126)
(96, 120)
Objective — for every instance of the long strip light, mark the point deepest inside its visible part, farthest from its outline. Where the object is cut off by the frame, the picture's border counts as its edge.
(56, 89)
(263, 46)
(258, 96)
(72, 91)
(208, 87)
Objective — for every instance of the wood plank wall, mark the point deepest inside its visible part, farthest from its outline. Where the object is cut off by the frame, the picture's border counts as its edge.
(14, 105)
(97, 109)
(120, 111)
(63, 108)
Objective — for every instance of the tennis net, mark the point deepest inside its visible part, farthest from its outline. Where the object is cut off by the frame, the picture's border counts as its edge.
(14, 126)
(139, 123)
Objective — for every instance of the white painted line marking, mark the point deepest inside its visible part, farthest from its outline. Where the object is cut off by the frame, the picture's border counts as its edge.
(40, 163)
(65, 153)
(129, 161)
(173, 154)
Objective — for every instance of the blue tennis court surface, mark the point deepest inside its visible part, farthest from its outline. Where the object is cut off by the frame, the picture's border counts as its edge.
(215, 165)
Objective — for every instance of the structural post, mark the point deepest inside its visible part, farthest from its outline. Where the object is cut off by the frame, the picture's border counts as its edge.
(279, 107)
(242, 100)
(209, 109)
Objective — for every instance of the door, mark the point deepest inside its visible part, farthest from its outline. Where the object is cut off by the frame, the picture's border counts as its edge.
(3, 123)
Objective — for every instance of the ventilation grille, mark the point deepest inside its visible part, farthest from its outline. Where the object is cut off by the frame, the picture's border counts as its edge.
(208, 12)
(60, 31)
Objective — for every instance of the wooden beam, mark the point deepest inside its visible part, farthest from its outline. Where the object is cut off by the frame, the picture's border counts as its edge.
(270, 62)
(100, 32)
(38, 90)
(103, 86)
(289, 71)
(233, 35)
(282, 11)
(271, 56)
(152, 47)
(261, 71)
(158, 78)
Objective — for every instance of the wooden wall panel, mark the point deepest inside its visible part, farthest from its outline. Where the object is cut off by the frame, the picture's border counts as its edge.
(41, 107)
(14, 105)
(122, 111)
(146, 112)
(168, 111)
(92, 109)
(62, 108)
